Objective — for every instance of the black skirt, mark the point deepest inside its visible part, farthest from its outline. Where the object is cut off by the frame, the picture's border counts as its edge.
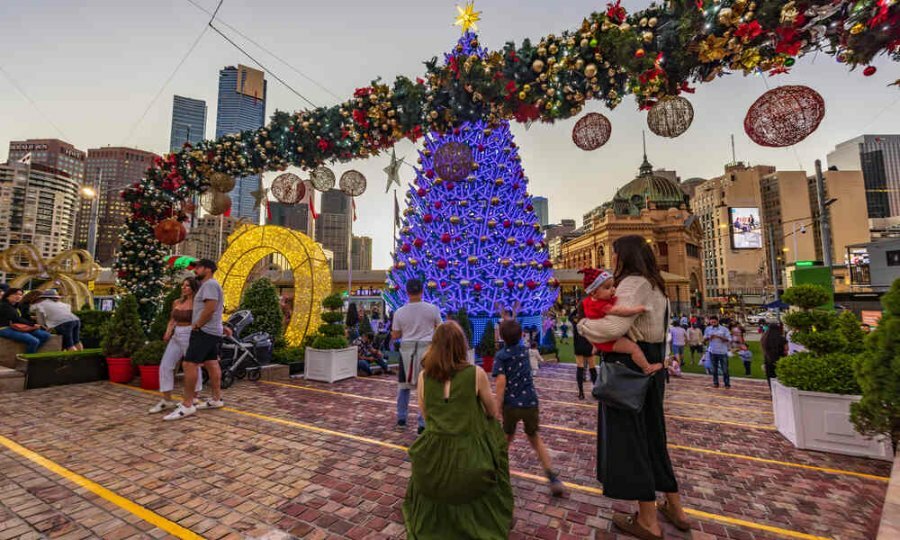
(632, 457)
(582, 347)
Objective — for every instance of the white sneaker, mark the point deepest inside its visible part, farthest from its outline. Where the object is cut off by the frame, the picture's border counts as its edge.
(210, 404)
(162, 405)
(180, 412)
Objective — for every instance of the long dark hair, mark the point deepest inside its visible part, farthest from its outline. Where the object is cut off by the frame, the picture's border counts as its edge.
(635, 258)
(773, 338)
(352, 315)
(193, 283)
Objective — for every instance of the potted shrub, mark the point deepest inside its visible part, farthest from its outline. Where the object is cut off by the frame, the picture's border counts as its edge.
(815, 389)
(291, 357)
(487, 347)
(462, 318)
(147, 360)
(123, 336)
(261, 298)
(93, 323)
(878, 374)
(329, 359)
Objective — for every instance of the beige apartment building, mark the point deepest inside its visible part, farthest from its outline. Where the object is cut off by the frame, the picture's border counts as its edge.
(733, 249)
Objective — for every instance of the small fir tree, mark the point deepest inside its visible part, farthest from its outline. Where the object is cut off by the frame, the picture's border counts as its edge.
(261, 298)
(161, 322)
(487, 347)
(878, 373)
(124, 334)
(331, 333)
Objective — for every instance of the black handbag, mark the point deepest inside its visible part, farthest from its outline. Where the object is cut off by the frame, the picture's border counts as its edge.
(621, 387)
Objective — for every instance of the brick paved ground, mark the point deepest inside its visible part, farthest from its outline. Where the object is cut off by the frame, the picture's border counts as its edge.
(322, 461)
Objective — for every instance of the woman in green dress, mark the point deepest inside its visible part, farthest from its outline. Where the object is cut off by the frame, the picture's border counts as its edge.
(459, 486)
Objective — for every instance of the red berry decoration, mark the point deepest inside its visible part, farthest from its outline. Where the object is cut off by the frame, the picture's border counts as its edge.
(869, 71)
(170, 232)
(591, 132)
(784, 116)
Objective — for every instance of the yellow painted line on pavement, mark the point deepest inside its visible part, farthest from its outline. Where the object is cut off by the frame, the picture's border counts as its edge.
(594, 433)
(739, 456)
(149, 516)
(526, 476)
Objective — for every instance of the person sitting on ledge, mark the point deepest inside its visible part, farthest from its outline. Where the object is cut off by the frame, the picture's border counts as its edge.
(13, 326)
(367, 353)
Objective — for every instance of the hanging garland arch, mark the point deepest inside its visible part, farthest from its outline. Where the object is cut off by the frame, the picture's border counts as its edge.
(651, 54)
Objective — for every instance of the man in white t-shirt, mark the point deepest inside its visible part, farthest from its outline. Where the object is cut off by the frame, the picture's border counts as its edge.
(414, 326)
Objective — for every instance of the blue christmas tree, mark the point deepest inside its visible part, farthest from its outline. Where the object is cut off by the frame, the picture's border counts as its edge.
(476, 243)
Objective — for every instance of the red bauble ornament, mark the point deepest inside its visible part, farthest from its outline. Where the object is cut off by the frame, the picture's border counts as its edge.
(531, 284)
(869, 71)
(477, 287)
(529, 242)
(442, 264)
(421, 192)
(547, 264)
(639, 53)
(170, 232)
(507, 223)
(510, 284)
(438, 205)
(418, 242)
(445, 238)
(453, 161)
(784, 116)
(405, 248)
(427, 218)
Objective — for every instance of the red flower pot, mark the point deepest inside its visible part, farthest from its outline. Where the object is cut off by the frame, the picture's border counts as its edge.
(149, 377)
(120, 370)
(487, 364)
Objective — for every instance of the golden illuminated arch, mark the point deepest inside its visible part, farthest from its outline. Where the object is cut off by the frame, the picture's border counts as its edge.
(312, 278)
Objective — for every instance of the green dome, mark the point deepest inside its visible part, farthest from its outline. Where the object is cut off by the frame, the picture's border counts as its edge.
(647, 187)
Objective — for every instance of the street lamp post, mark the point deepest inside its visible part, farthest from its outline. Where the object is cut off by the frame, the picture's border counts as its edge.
(94, 194)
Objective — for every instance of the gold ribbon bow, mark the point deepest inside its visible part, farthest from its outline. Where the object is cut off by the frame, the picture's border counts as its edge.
(70, 271)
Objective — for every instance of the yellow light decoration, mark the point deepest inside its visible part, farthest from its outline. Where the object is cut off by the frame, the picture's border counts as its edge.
(467, 17)
(249, 244)
(70, 272)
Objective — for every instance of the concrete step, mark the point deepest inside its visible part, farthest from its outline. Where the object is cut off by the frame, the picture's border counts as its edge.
(9, 349)
(11, 380)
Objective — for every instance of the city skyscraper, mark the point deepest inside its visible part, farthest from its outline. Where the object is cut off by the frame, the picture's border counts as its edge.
(333, 226)
(294, 217)
(362, 253)
(38, 204)
(51, 152)
(188, 122)
(878, 157)
(541, 210)
(241, 107)
(109, 170)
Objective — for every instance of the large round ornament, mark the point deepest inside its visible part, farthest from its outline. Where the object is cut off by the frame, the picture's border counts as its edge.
(322, 178)
(591, 131)
(453, 161)
(221, 182)
(288, 189)
(353, 183)
(169, 232)
(670, 117)
(784, 116)
(215, 202)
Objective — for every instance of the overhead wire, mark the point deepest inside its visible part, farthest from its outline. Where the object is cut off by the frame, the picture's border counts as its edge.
(34, 105)
(172, 75)
(268, 51)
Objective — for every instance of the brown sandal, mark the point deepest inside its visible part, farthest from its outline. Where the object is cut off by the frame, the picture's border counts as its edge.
(629, 523)
(666, 510)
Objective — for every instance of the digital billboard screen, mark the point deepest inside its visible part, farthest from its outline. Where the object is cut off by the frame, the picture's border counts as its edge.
(746, 229)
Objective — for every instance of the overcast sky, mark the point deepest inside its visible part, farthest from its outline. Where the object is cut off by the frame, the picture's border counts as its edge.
(93, 66)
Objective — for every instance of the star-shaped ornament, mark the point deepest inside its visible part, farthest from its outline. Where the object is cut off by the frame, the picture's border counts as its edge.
(467, 17)
(259, 196)
(393, 171)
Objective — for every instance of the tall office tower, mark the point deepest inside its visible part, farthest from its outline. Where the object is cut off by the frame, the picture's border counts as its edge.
(362, 253)
(541, 210)
(109, 170)
(51, 152)
(38, 204)
(733, 251)
(188, 122)
(878, 157)
(333, 226)
(294, 217)
(208, 238)
(242, 107)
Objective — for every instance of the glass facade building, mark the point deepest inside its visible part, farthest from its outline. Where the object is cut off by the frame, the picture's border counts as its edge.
(188, 122)
(241, 107)
(878, 157)
(541, 210)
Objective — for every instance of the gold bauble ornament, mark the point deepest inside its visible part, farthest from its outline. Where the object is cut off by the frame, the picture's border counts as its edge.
(221, 182)
(726, 16)
(579, 64)
(590, 71)
(624, 27)
(523, 95)
(648, 37)
(553, 49)
(857, 28)
(537, 66)
(643, 22)
(652, 22)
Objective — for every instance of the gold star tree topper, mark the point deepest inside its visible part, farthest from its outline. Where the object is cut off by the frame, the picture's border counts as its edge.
(467, 17)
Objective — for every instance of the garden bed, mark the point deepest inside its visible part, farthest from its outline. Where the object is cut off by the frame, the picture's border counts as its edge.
(62, 367)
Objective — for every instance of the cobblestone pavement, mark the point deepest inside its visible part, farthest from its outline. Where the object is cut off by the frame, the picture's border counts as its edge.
(313, 460)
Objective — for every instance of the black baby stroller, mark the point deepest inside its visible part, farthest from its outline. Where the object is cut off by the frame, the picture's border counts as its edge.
(243, 357)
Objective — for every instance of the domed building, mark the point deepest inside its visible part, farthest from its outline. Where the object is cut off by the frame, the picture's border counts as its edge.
(654, 206)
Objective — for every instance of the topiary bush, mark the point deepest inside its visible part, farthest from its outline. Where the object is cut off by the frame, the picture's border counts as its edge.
(815, 329)
(878, 374)
(124, 334)
(487, 346)
(848, 326)
(261, 298)
(287, 355)
(331, 332)
(831, 373)
(806, 296)
(150, 354)
(93, 324)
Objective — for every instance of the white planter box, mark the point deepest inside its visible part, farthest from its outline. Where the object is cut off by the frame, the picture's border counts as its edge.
(820, 421)
(329, 365)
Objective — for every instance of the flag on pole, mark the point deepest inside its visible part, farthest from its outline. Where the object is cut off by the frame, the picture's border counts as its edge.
(353, 205)
(396, 210)
(26, 159)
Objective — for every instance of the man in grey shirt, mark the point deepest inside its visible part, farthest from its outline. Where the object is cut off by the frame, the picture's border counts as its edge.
(203, 348)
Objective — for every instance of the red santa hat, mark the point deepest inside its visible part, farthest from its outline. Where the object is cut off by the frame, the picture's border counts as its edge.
(593, 278)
